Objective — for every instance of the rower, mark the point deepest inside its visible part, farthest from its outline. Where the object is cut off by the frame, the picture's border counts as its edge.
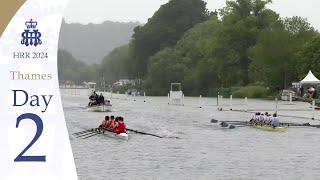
(115, 125)
(260, 118)
(253, 119)
(265, 118)
(275, 121)
(269, 120)
(104, 122)
(121, 126)
(111, 122)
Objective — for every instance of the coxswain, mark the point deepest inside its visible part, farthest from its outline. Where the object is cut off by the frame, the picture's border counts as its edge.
(275, 121)
(121, 126)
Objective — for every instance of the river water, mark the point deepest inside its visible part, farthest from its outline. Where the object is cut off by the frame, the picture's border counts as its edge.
(204, 150)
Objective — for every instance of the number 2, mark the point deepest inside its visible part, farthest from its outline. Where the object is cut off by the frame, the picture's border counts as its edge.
(39, 125)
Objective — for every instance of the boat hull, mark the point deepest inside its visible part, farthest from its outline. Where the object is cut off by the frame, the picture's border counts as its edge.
(269, 128)
(99, 108)
(122, 136)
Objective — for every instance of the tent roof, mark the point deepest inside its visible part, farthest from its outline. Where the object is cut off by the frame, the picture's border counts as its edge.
(310, 78)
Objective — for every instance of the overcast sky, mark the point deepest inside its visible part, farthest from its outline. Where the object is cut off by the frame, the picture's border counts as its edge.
(97, 11)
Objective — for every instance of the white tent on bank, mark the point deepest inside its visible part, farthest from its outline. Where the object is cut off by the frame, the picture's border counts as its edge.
(310, 79)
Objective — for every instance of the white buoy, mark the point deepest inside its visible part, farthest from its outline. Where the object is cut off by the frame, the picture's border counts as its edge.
(245, 104)
(313, 108)
(231, 102)
(144, 96)
(200, 101)
(168, 98)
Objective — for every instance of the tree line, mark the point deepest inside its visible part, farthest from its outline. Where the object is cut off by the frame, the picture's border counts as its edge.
(242, 44)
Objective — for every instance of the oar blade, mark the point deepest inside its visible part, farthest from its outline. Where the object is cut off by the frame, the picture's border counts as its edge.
(214, 121)
(224, 124)
(232, 126)
(149, 134)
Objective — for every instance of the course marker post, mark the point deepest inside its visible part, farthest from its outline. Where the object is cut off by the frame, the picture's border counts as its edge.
(245, 104)
(313, 108)
(276, 110)
(231, 102)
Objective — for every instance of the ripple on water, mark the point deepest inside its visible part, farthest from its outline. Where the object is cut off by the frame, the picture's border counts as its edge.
(205, 151)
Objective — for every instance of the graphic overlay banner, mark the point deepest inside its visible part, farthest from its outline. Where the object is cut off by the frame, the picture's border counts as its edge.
(33, 134)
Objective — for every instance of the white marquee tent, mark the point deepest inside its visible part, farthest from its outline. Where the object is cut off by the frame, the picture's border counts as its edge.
(310, 79)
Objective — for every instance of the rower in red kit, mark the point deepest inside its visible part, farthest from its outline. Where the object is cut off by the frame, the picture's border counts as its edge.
(104, 122)
(121, 126)
(115, 125)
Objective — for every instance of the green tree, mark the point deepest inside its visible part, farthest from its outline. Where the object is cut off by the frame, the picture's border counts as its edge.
(273, 58)
(275, 52)
(73, 70)
(242, 20)
(309, 57)
(113, 66)
(181, 63)
(164, 29)
(164, 69)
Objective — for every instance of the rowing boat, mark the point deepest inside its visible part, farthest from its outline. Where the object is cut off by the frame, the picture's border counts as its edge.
(122, 136)
(269, 128)
(100, 108)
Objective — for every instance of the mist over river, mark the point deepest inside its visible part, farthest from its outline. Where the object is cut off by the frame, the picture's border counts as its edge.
(203, 150)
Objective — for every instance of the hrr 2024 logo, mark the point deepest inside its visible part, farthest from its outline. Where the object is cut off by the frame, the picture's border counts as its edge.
(31, 36)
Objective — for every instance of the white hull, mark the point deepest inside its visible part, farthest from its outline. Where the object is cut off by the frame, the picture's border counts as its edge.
(99, 108)
(287, 98)
(122, 136)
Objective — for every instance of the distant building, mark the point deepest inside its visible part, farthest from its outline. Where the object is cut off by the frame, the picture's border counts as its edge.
(124, 82)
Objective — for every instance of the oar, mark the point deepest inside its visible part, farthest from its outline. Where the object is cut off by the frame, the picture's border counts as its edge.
(230, 126)
(215, 121)
(94, 132)
(91, 135)
(144, 133)
(91, 131)
(224, 124)
(86, 134)
(305, 124)
(82, 132)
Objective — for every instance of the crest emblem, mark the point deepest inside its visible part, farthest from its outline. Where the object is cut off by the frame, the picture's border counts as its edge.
(31, 35)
